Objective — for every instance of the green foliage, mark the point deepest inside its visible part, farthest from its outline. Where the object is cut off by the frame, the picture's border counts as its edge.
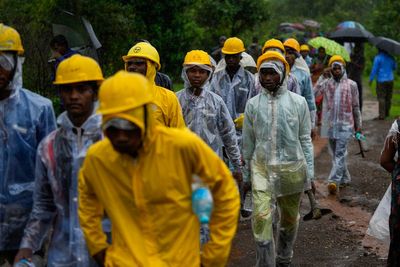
(174, 27)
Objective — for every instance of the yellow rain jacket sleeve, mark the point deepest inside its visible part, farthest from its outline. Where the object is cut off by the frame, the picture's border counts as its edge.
(169, 111)
(149, 202)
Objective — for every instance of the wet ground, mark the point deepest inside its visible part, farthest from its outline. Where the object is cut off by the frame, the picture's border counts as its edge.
(338, 239)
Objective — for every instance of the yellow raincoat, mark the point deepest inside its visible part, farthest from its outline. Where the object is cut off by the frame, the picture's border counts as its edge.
(148, 200)
(169, 111)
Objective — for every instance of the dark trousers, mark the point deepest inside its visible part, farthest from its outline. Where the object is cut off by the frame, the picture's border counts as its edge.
(384, 92)
(7, 255)
(360, 93)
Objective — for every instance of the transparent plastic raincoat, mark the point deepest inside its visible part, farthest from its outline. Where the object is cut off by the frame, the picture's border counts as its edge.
(340, 117)
(306, 90)
(235, 92)
(340, 109)
(208, 117)
(59, 157)
(276, 135)
(25, 119)
(148, 200)
(278, 152)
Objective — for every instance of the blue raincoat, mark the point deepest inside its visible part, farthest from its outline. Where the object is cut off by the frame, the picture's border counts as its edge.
(25, 119)
(59, 157)
(306, 90)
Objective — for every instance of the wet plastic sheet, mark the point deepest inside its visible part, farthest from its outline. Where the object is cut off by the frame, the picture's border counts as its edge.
(379, 223)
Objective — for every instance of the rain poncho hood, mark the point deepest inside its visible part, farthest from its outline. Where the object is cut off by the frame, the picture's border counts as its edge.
(25, 119)
(59, 157)
(152, 195)
(10, 61)
(168, 112)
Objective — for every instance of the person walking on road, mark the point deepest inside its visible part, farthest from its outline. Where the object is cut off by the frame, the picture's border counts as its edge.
(234, 84)
(278, 155)
(59, 157)
(355, 69)
(382, 70)
(205, 112)
(389, 161)
(292, 83)
(141, 175)
(25, 119)
(143, 58)
(292, 49)
(341, 116)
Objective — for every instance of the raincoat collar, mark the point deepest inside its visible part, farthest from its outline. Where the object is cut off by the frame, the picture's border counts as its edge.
(239, 73)
(281, 90)
(91, 125)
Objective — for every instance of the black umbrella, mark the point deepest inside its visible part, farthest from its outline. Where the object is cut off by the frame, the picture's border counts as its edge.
(351, 35)
(389, 45)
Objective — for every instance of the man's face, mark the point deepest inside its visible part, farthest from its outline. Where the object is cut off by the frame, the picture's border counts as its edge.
(269, 79)
(197, 76)
(137, 64)
(5, 78)
(321, 52)
(232, 61)
(336, 71)
(78, 98)
(125, 141)
(304, 54)
(290, 55)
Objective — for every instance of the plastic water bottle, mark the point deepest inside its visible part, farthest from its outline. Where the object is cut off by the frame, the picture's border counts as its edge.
(363, 141)
(24, 263)
(202, 205)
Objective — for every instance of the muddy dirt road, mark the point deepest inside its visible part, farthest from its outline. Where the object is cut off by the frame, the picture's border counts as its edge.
(338, 239)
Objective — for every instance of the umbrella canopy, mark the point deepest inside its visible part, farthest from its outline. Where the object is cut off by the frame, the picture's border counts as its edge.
(389, 45)
(331, 47)
(350, 31)
(351, 35)
(311, 23)
(350, 24)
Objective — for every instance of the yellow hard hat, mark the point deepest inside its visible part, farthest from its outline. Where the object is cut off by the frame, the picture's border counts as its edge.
(273, 55)
(78, 68)
(304, 47)
(273, 43)
(233, 46)
(144, 50)
(10, 40)
(336, 58)
(124, 91)
(292, 43)
(197, 57)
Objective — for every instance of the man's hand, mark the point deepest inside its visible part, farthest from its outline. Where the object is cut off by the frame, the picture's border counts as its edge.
(238, 176)
(313, 133)
(23, 253)
(100, 257)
